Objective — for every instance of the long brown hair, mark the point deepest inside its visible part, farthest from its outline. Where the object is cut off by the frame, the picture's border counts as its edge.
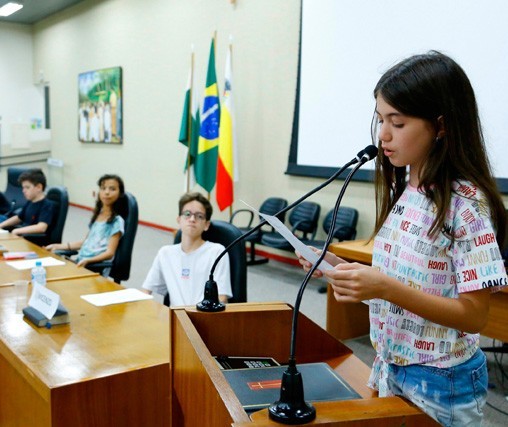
(116, 207)
(432, 86)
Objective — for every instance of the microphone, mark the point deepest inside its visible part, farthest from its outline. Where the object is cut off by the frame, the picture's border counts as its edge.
(291, 407)
(210, 302)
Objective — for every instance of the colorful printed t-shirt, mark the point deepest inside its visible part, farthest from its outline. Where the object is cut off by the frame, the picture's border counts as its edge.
(404, 251)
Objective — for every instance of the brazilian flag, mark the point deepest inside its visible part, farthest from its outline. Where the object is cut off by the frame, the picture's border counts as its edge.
(205, 164)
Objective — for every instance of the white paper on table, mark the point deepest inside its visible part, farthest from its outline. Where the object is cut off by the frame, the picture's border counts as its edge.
(304, 250)
(116, 297)
(30, 263)
(44, 300)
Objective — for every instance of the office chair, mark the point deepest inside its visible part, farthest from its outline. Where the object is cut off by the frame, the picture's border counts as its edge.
(13, 194)
(270, 206)
(120, 266)
(60, 198)
(224, 233)
(5, 206)
(345, 226)
(303, 219)
(345, 229)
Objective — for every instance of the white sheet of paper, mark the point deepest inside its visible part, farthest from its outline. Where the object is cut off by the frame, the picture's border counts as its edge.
(304, 250)
(116, 297)
(26, 264)
(44, 300)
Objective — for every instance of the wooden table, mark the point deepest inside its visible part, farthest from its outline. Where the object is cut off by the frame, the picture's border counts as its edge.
(8, 236)
(9, 274)
(345, 321)
(354, 250)
(108, 367)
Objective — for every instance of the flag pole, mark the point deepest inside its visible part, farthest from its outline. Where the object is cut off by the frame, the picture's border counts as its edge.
(233, 147)
(189, 120)
(218, 100)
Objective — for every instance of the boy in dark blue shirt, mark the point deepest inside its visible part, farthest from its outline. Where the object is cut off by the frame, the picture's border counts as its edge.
(37, 214)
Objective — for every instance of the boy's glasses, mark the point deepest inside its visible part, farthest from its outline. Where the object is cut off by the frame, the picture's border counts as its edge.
(197, 215)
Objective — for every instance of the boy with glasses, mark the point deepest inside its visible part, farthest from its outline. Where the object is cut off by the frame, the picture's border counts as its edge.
(182, 270)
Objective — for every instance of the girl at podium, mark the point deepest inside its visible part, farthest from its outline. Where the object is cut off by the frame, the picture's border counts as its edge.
(436, 257)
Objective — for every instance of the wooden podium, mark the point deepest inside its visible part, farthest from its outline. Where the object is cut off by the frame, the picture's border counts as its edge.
(201, 396)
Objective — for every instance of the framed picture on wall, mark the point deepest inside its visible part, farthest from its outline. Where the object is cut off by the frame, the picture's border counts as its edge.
(100, 106)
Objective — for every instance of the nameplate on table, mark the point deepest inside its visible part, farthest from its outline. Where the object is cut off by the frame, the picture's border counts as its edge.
(44, 300)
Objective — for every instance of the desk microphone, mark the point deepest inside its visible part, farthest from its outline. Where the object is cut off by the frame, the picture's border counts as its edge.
(291, 408)
(210, 302)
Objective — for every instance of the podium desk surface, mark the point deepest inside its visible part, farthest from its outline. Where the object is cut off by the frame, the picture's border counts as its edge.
(10, 274)
(108, 363)
(388, 411)
(354, 250)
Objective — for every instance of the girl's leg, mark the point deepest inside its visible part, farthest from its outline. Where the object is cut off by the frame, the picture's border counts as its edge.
(452, 396)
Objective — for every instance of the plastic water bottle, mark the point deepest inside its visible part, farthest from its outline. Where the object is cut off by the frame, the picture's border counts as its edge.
(39, 274)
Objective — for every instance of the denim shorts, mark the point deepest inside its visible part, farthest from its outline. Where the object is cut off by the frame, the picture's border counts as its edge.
(452, 396)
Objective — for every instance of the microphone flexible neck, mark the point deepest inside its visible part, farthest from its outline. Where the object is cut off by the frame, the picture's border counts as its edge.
(309, 274)
(292, 205)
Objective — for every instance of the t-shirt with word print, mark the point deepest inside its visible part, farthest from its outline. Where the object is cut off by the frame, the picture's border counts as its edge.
(404, 251)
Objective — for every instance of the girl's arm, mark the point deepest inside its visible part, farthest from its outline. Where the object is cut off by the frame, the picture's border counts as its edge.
(69, 246)
(107, 254)
(356, 282)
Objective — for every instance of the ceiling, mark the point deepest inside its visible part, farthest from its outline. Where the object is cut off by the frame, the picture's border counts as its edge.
(35, 10)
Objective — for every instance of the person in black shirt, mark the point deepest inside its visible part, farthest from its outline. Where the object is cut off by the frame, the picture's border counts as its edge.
(37, 214)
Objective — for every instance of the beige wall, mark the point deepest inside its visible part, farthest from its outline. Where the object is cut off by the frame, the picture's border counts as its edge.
(151, 41)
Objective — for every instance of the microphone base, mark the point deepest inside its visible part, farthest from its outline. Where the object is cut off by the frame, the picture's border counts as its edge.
(211, 302)
(210, 306)
(291, 408)
(291, 414)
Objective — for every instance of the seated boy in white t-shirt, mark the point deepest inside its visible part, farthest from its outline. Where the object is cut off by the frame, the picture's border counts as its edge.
(182, 270)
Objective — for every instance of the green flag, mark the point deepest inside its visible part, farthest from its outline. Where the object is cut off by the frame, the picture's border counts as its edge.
(189, 128)
(205, 165)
